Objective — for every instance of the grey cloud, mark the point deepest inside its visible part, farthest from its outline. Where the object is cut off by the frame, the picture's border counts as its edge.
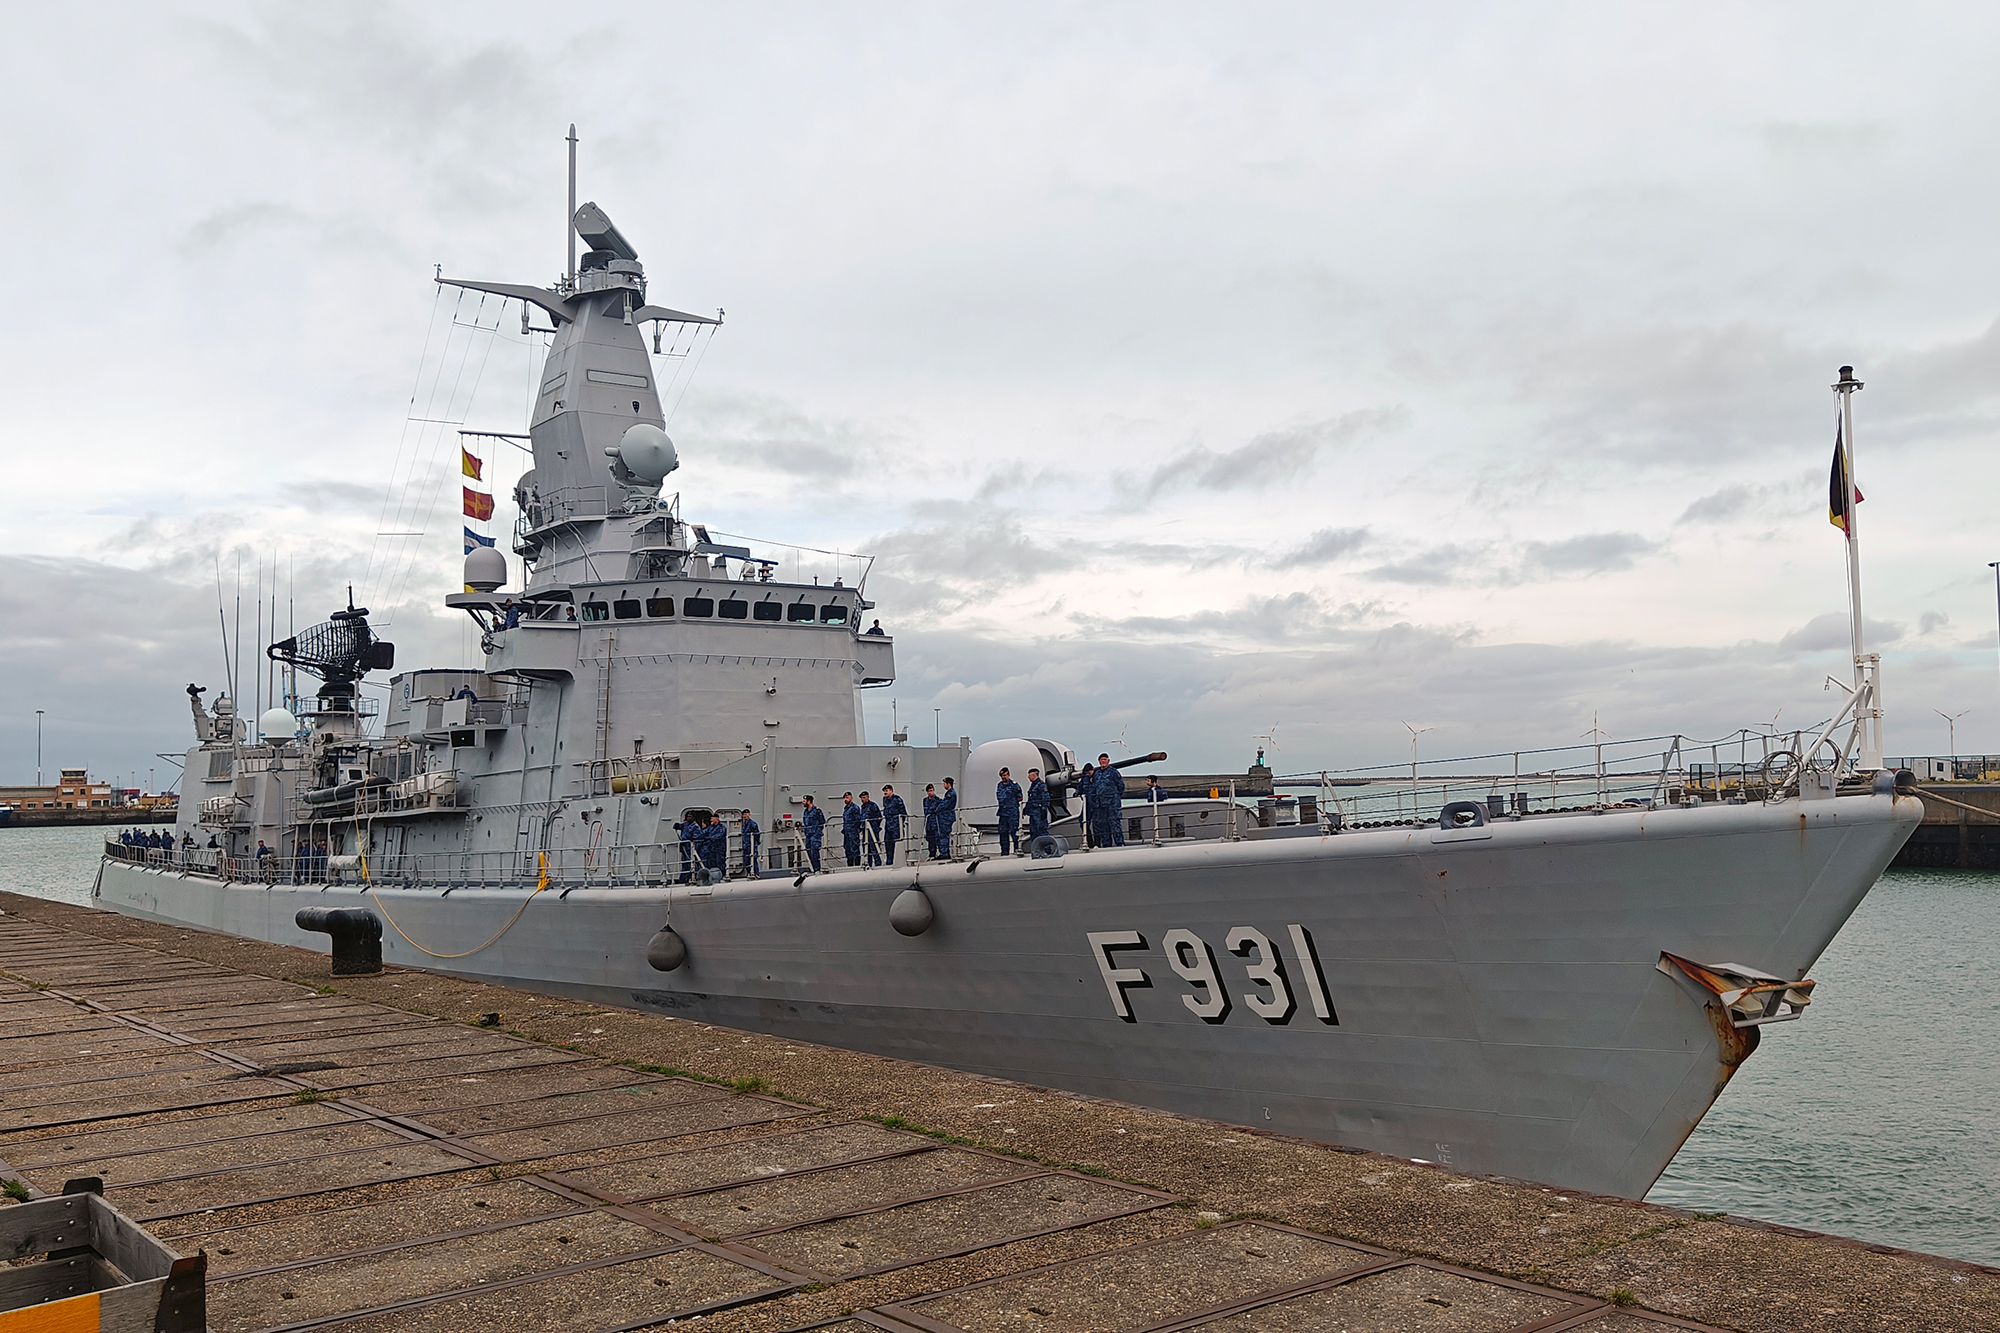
(1831, 630)
(1592, 553)
(1269, 459)
(1434, 567)
(1932, 621)
(1723, 506)
(225, 228)
(322, 495)
(1293, 618)
(1827, 142)
(729, 430)
(1323, 547)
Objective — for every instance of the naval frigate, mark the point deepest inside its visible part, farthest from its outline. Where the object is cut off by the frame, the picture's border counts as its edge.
(1552, 995)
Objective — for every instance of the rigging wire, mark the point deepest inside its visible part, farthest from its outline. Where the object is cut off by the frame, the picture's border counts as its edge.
(420, 455)
(435, 467)
(426, 481)
(416, 383)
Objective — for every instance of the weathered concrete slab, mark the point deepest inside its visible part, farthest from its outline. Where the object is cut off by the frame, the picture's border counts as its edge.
(345, 1156)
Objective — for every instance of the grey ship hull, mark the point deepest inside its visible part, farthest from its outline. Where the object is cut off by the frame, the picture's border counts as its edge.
(1494, 994)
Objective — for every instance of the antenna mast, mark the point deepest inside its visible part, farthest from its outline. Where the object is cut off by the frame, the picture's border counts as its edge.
(569, 222)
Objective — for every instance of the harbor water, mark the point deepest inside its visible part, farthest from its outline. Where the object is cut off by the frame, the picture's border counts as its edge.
(1876, 1117)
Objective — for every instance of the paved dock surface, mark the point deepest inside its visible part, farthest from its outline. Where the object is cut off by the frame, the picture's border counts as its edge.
(413, 1151)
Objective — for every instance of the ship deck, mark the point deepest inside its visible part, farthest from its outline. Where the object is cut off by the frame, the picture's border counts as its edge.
(412, 1151)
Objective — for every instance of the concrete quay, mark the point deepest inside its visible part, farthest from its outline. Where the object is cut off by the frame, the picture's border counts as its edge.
(413, 1151)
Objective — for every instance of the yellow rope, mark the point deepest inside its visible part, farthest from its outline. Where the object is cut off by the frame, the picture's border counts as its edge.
(475, 948)
(541, 883)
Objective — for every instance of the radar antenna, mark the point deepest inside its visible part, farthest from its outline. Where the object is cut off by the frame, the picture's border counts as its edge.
(340, 652)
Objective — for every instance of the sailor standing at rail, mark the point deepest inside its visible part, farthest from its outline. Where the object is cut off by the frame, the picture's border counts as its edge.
(1038, 805)
(753, 844)
(850, 828)
(685, 830)
(814, 823)
(1110, 803)
(893, 811)
(1086, 792)
(1008, 797)
(947, 816)
(872, 813)
(930, 820)
(713, 844)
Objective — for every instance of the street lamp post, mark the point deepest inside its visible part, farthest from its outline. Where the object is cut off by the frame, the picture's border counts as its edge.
(38, 747)
(1994, 565)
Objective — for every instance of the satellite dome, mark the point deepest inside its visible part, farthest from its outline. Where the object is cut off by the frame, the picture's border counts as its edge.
(485, 569)
(277, 725)
(647, 453)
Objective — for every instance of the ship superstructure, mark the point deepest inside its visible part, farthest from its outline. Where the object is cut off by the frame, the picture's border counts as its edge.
(1554, 996)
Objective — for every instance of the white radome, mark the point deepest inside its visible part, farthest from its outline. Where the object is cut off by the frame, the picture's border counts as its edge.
(277, 724)
(485, 569)
(647, 453)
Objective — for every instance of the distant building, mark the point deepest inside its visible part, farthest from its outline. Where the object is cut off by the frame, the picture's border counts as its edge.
(74, 791)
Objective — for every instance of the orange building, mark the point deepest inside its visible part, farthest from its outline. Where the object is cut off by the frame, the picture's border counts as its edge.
(74, 791)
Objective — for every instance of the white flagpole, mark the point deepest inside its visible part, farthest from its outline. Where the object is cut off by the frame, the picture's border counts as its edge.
(1867, 679)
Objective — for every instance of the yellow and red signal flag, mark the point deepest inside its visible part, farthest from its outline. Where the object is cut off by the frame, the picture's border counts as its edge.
(478, 504)
(1840, 487)
(467, 463)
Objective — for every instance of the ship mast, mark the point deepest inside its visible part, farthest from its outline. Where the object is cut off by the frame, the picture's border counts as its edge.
(569, 277)
(1867, 666)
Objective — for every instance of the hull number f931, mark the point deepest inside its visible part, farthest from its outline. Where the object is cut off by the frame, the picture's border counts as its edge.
(1271, 997)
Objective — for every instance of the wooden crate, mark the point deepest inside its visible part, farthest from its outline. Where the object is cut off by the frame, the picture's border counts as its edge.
(97, 1271)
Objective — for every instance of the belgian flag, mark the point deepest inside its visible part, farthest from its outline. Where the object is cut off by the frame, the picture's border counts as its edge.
(1839, 487)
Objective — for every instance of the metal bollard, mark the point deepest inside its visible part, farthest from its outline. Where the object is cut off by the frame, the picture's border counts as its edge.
(357, 937)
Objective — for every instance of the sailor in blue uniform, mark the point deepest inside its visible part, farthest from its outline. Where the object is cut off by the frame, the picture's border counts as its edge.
(814, 825)
(1038, 805)
(947, 816)
(850, 828)
(872, 814)
(1109, 807)
(1008, 797)
(893, 813)
(712, 843)
(1086, 794)
(930, 820)
(753, 844)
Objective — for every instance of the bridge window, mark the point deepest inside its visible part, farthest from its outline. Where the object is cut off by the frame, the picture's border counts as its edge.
(596, 611)
(659, 606)
(734, 608)
(697, 606)
(799, 612)
(768, 611)
(833, 614)
(626, 608)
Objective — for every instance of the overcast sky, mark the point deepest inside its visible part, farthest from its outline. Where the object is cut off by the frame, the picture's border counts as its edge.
(1191, 370)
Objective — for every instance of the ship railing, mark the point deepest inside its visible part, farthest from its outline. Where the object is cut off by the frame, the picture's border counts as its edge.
(1750, 764)
(361, 705)
(561, 506)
